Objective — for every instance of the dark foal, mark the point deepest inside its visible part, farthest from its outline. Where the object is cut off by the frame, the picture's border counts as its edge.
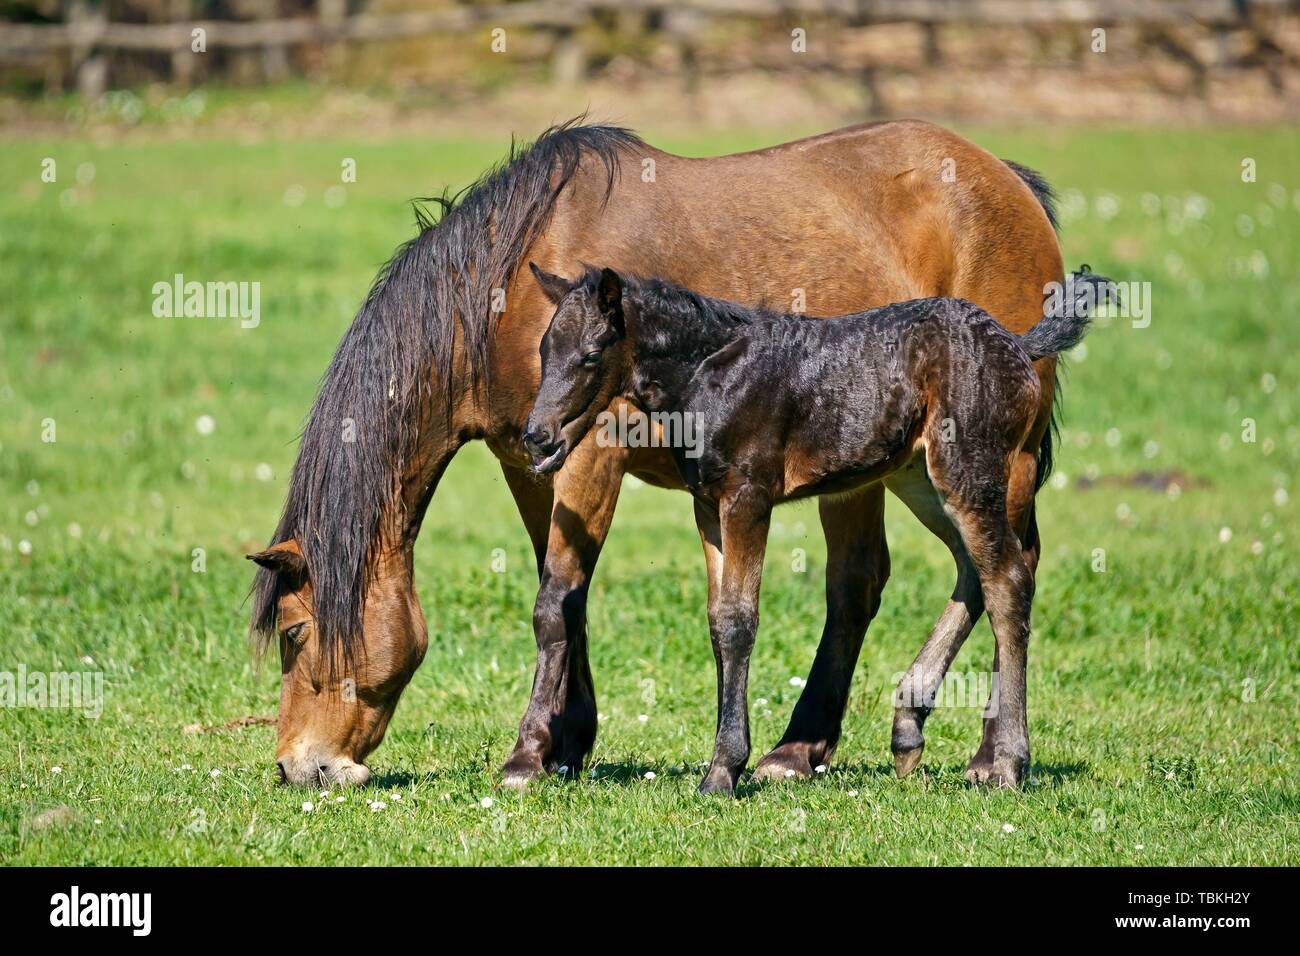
(929, 391)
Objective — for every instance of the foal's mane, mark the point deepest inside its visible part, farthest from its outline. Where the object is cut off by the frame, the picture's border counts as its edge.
(680, 320)
(398, 355)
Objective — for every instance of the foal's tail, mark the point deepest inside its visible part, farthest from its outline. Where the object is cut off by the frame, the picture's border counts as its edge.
(1066, 316)
(1065, 321)
(1055, 334)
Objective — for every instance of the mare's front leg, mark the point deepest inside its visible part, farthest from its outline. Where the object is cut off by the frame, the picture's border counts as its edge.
(916, 692)
(743, 519)
(857, 567)
(559, 727)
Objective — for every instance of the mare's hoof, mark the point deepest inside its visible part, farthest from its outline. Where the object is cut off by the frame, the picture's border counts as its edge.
(784, 763)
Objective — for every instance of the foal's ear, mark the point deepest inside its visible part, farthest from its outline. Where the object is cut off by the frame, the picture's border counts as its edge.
(714, 368)
(554, 287)
(285, 557)
(609, 299)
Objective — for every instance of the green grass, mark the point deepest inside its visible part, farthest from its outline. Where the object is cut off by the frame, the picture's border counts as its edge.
(1149, 745)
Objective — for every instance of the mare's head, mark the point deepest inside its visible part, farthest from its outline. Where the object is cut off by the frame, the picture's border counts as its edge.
(585, 360)
(337, 692)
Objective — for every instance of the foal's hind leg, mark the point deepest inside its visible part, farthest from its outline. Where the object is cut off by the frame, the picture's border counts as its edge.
(857, 567)
(974, 495)
(1021, 512)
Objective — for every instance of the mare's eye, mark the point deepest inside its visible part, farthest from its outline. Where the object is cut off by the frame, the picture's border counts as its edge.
(294, 634)
(591, 358)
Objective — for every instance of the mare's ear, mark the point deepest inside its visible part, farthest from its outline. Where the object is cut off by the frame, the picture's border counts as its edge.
(285, 557)
(554, 287)
(714, 368)
(609, 299)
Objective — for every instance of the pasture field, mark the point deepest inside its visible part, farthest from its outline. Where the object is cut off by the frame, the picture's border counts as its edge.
(1163, 702)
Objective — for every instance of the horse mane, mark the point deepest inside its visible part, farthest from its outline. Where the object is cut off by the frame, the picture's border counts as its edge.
(396, 355)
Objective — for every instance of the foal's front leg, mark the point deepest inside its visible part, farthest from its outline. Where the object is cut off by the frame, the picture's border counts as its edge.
(559, 727)
(743, 522)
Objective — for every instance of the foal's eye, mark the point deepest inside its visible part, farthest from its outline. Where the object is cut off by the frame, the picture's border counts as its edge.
(294, 634)
(591, 358)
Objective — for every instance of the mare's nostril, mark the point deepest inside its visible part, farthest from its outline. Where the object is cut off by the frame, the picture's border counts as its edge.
(284, 776)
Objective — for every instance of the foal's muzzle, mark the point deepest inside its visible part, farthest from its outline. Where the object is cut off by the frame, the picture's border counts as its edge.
(545, 449)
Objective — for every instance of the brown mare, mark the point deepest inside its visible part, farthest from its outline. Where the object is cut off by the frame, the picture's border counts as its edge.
(437, 357)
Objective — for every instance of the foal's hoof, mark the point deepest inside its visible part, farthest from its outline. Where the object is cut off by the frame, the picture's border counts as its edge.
(517, 781)
(518, 775)
(718, 784)
(1001, 773)
(788, 762)
(905, 761)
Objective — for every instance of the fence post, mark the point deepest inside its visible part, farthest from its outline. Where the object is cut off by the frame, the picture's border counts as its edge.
(182, 58)
(86, 27)
(332, 15)
(568, 58)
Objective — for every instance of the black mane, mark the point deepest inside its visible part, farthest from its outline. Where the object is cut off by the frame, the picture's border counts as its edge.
(397, 355)
(683, 322)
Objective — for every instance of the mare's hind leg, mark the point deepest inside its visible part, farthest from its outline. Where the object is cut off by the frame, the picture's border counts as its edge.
(974, 491)
(916, 691)
(1021, 511)
(559, 727)
(857, 567)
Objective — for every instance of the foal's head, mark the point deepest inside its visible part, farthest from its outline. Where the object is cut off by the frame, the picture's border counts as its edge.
(585, 359)
(337, 696)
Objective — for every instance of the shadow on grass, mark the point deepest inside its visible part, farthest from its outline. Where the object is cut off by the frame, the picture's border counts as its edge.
(402, 779)
(627, 773)
(953, 774)
(1042, 776)
(620, 773)
(1055, 774)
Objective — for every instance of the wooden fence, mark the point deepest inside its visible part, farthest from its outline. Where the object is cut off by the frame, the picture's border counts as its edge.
(81, 43)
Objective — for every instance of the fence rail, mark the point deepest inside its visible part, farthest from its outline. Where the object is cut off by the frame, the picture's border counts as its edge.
(1228, 55)
(95, 32)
